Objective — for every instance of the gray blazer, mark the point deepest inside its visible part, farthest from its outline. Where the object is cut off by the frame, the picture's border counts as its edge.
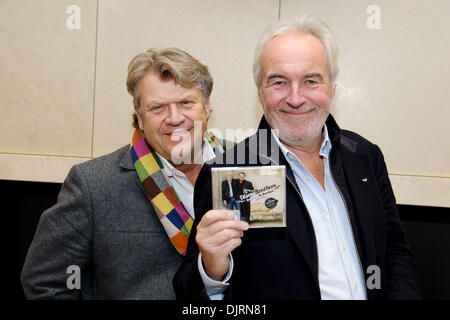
(103, 223)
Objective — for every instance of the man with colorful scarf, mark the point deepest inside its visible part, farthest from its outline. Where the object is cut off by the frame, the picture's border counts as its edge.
(120, 227)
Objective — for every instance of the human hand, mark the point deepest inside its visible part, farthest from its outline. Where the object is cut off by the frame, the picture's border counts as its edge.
(218, 234)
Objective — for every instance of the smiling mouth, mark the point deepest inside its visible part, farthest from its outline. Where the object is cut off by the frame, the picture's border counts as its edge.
(179, 132)
(296, 113)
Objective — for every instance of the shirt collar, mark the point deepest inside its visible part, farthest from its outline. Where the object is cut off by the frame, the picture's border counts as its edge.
(325, 147)
(207, 154)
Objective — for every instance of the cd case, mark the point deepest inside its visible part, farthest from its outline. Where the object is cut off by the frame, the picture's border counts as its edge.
(255, 194)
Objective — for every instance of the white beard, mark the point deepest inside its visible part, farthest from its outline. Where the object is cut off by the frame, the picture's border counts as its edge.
(311, 129)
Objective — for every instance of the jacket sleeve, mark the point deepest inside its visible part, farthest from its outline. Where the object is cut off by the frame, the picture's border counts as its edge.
(62, 239)
(401, 278)
(187, 282)
(224, 195)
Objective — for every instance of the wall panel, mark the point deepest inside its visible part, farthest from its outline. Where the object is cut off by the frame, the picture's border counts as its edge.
(46, 77)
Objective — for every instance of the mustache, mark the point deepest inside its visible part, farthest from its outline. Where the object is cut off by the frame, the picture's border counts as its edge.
(302, 109)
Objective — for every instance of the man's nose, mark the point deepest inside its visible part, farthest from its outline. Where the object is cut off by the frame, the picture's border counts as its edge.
(296, 97)
(175, 116)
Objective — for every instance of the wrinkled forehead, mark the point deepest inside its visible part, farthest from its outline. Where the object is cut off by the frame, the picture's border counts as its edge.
(155, 88)
(294, 49)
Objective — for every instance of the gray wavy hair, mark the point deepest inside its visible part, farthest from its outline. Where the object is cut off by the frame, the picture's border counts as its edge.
(304, 24)
(170, 64)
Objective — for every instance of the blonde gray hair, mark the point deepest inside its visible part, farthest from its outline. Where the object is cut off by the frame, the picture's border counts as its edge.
(169, 64)
(304, 24)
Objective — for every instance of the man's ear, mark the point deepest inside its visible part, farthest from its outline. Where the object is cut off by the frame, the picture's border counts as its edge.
(260, 97)
(333, 92)
(140, 122)
(208, 108)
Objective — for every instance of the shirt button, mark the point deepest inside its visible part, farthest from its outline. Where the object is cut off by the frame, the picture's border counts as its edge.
(344, 247)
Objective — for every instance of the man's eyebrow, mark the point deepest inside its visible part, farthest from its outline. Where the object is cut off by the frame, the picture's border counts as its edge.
(155, 102)
(189, 97)
(313, 75)
(306, 76)
(275, 75)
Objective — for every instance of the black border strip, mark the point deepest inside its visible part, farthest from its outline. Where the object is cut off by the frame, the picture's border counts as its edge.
(424, 214)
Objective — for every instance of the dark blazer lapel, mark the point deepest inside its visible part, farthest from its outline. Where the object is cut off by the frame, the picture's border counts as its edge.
(351, 171)
(299, 224)
(356, 170)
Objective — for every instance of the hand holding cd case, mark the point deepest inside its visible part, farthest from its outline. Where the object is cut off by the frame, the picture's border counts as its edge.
(255, 194)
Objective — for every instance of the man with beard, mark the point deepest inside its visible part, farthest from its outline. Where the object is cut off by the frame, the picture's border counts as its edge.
(343, 238)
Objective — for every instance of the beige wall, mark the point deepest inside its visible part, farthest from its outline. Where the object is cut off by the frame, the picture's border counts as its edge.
(63, 98)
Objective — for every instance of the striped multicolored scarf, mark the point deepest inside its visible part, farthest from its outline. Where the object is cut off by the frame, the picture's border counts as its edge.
(170, 210)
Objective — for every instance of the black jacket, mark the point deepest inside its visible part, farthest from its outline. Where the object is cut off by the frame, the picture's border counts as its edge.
(226, 190)
(282, 263)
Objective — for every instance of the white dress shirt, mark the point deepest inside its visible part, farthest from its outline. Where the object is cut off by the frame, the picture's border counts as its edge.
(340, 272)
(181, 184)
(231, 188)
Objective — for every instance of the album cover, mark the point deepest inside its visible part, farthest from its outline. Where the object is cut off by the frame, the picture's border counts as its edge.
(255, 194)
